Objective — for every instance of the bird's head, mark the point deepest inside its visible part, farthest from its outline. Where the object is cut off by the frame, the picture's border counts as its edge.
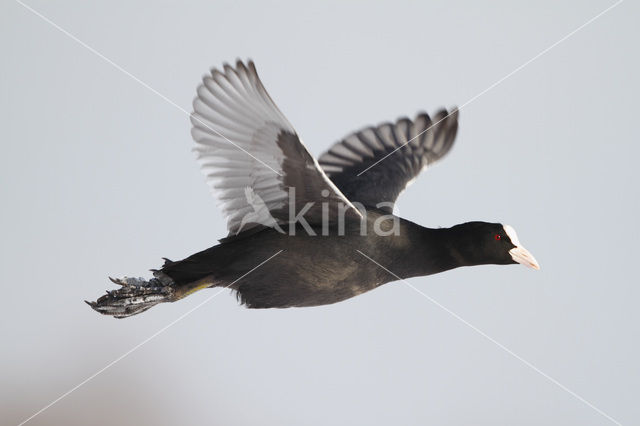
(492, 243)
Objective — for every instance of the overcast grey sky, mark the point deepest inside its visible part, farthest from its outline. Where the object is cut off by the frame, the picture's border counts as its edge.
(98, 179)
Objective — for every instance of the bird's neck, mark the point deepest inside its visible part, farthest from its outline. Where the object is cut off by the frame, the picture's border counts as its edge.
(434, 250)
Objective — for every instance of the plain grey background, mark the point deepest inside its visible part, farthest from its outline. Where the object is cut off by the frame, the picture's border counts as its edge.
(98, 179)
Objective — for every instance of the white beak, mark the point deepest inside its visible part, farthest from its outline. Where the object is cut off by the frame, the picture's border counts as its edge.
(522, 256)
(518, 253)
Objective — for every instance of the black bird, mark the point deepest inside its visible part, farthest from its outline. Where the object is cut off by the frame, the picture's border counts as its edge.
(304, 232)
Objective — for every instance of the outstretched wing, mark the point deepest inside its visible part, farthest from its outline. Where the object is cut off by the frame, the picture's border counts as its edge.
(244, 141)
(374, 165)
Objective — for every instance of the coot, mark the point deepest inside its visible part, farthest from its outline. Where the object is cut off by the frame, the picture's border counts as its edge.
(304, 232)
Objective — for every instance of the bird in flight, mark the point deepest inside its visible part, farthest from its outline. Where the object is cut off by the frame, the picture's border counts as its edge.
(306, 232)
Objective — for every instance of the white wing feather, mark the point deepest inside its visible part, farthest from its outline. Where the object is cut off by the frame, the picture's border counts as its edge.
(238, 131)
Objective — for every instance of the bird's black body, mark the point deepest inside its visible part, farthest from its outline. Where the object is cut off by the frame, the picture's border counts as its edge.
(316, 270)
(348, 243)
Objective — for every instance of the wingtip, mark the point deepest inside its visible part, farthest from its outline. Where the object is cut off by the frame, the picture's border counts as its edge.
(422, 113)
(240, 64)
(252, 68)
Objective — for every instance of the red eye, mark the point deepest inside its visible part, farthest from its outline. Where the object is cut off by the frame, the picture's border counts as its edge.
(497, 237)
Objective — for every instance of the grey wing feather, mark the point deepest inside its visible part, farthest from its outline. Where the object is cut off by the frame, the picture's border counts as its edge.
(409, 147)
